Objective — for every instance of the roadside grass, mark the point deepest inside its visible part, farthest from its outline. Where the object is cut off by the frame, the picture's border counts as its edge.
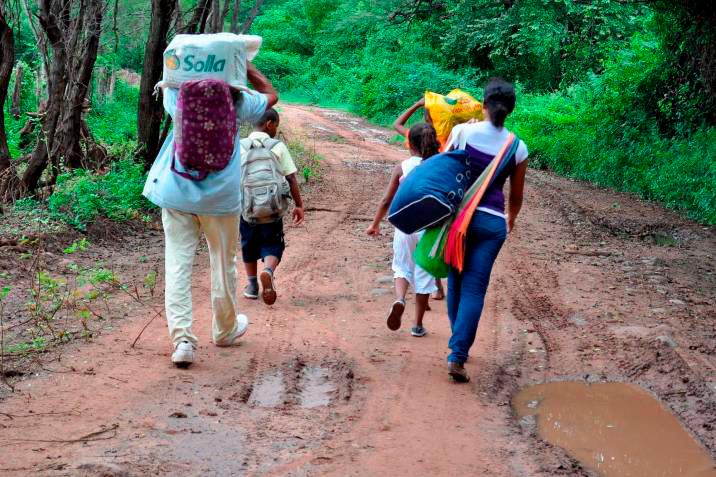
(308, 161)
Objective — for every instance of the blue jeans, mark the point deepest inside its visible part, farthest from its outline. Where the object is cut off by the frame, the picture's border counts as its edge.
(466, 290)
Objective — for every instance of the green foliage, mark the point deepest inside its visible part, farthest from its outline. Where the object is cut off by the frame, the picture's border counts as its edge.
(601, 131)
(80, 245)
(80, 196)
(308, 161)
(607, 90)
(114, 122)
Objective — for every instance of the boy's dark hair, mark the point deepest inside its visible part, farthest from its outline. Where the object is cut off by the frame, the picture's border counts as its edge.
(269, 115)
(423, 139)
(500, 100)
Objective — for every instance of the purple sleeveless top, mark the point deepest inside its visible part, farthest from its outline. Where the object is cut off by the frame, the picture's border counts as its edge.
(494, 198)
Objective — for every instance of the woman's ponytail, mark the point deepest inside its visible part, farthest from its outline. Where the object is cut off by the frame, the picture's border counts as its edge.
(500, 100)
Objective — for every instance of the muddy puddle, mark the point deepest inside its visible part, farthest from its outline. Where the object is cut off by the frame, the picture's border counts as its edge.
(615, 429)
(316, 388)
(269, 392)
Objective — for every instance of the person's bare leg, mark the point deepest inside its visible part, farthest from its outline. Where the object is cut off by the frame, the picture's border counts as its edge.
(251, 269)
(251, 290)
(271, 262)
(398, 307)
(401, 288)
(421, 305)
(268, 287)
(440, 293)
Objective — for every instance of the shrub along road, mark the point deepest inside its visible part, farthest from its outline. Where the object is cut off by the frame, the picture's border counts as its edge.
(592, 285)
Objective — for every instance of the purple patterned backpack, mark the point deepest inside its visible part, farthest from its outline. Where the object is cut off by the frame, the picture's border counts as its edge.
(205, 128)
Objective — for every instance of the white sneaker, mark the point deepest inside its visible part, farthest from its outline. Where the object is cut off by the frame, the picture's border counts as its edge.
(183, 354)
(242, 324)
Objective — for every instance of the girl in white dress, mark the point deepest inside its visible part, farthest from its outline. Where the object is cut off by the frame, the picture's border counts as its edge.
(423, 145)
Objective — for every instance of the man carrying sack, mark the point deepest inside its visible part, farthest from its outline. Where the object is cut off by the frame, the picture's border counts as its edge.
(196, 180)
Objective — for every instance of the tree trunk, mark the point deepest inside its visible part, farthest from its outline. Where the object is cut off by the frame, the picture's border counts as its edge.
(112, 84)
(224, 12)
(84, 57)
(17, 93)
(252, 16)
(73, 29)
(8, 176)
(149, 116)
(215, 19)
(50, 15)
(100, 84)
(235, 16)
(200, 12)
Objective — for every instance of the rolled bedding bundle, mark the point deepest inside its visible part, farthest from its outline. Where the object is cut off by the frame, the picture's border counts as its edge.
(431, 192)
(220, 56)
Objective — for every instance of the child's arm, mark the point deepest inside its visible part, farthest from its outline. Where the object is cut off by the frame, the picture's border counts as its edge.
(384, 205)
(297, 200)
(399, 123)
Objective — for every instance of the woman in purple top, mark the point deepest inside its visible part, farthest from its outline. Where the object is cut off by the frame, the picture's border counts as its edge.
(490, 225)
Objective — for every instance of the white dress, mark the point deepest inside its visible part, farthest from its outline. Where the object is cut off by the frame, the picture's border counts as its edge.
(404, 245)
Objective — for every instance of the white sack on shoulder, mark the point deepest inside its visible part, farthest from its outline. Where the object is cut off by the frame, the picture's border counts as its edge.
(219, 56)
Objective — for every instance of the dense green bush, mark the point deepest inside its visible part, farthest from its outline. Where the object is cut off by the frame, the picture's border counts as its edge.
(597, 94)
(81, 196)
(114, 122)
(599, 130)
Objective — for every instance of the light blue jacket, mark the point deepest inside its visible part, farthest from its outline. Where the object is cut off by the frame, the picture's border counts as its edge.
(219, 193)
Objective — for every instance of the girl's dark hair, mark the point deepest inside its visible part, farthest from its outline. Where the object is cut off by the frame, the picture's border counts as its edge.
(424, 139)
(500, 100)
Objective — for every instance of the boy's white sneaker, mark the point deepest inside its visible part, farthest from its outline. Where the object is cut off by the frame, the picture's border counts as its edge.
(183, 354)
(242, 325)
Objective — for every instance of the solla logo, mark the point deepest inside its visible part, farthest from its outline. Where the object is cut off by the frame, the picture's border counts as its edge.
(209, 65)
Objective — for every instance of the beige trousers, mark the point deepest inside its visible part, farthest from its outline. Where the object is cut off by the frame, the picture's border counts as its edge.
(182, 233)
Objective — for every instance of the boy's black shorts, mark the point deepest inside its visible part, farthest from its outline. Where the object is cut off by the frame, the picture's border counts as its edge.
(261, 240)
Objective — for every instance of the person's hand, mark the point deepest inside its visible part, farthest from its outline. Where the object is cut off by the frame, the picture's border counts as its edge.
(373, 230)
(510, 224)
(298, 215)
(421, 102)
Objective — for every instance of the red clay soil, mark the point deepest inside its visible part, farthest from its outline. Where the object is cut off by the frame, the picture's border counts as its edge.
(592, 285)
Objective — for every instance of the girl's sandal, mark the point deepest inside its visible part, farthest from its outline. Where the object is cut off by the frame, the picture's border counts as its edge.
(395, 315)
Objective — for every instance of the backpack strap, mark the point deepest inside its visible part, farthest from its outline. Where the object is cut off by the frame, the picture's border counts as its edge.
(270, 143)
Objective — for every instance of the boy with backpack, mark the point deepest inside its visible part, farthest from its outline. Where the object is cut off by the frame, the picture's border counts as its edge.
(268, 179)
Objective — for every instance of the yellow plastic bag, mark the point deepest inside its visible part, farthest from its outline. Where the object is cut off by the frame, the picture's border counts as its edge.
(450, 110)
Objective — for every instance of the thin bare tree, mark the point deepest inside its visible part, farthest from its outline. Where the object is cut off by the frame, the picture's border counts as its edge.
(150, 111)
(235, 16)
(8, 176)
(252, 16)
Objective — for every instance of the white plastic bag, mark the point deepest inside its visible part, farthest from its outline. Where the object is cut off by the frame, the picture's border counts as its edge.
(220, 56)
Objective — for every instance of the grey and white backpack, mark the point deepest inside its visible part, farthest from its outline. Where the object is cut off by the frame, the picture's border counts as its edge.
(264, 189)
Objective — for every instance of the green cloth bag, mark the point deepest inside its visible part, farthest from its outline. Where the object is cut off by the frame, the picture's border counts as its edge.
(429, 251)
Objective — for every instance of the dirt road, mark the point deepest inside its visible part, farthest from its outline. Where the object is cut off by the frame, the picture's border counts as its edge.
(591, 286)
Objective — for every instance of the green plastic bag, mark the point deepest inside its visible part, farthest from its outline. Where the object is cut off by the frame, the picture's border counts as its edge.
(429, 252)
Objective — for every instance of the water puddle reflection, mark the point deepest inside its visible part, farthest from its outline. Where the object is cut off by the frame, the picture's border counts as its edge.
(269, 392)
(316, 388)
(616, 429)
